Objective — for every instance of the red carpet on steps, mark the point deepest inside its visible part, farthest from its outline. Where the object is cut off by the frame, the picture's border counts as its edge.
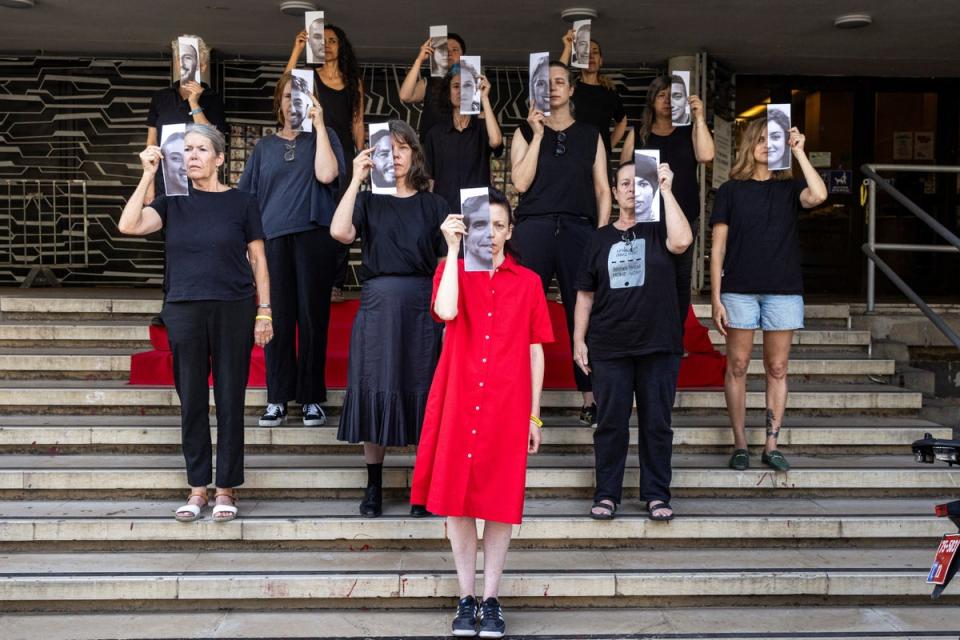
(704, 366)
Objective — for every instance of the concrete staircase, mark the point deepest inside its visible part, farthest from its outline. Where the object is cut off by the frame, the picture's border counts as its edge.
(90, 472)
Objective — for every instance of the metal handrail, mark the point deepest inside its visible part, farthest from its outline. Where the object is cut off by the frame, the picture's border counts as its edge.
(871, 247)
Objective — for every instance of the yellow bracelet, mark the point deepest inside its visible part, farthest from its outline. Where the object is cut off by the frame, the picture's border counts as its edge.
(264, 318)
(537, 421)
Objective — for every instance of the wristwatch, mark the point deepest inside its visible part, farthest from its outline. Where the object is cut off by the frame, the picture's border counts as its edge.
(263, 306)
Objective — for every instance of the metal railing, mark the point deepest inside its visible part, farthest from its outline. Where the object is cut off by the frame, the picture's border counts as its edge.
(870, 248)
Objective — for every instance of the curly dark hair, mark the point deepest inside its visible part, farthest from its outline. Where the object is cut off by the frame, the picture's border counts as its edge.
(349, 71)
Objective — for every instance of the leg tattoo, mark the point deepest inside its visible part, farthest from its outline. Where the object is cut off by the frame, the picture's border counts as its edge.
(772, 432)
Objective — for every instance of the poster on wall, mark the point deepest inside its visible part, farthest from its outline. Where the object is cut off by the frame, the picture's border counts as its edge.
(723, 156)
(903, 145)
(923, 145)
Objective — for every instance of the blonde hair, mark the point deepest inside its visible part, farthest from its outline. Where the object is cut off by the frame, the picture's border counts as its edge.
(746, 163)
(204, 49)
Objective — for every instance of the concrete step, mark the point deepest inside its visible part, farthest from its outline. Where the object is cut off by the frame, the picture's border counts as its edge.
(568, 475)
(546, 521)
(86, 432)
(76, 362)
(821, 622)
(388, 578)
(81, 332)
(42, 395)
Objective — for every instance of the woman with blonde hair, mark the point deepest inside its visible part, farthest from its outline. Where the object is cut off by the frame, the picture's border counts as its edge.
(756, 277)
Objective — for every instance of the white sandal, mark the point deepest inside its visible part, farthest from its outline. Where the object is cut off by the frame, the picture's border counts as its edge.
(229, 511)
(192, 509)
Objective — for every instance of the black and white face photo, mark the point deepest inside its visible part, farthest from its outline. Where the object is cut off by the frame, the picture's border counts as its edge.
(469, 84)
(679, 104)
(646, 186)
(316, 39)
(301, 88)
(440, 60)
(540, 81)
(478, 243)
(175, 182)
(778, 136)
(580, 56)
(383, 176)
(189, 52)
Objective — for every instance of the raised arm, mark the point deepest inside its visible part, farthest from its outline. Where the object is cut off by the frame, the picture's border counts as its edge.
(718, 251)
(494, 135)
(703, 147)
(414, 88)
(567, 47)
(815, 192)
(136, 219)
(299, 44)
(448, 291)
(325, 166)
(341, 227)
(679, 234)
(523, 155)
(151, 142)
(601, 185)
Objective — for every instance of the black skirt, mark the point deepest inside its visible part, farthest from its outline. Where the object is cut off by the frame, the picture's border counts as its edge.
(394, 348)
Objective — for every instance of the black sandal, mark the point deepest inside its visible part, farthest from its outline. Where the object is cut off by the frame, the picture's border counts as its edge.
(603, 503)
(661, 504)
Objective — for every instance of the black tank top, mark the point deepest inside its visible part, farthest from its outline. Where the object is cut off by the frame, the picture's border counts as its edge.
(564, 179)
(337, 116)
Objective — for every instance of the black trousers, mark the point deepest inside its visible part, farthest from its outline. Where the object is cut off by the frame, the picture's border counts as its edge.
(553, 244)
(343, 263)
(652, 379)
(684, 268)
(212, 335)
(302, 266)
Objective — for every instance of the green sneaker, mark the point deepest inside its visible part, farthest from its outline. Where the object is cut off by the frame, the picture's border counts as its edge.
(775, 460)
(740, 460)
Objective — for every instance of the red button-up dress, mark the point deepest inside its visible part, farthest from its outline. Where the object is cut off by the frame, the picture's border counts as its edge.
(472, 456)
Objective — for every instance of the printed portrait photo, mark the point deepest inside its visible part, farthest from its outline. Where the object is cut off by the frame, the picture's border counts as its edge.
(478, 243)
(469, 84)
(300, 101)
(580, 56)
(679, 94)
(174, 164)
(316, 40)
(778, 135)
(188, 50)
(440, 60)
(383, 177)
(540, 81)
(646, 186)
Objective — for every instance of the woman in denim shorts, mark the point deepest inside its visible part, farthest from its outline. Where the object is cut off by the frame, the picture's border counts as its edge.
(757, 282)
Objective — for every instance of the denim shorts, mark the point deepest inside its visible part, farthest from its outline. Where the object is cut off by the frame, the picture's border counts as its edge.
(763, 311)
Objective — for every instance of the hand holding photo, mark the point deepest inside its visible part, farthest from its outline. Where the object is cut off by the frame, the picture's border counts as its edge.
(580, 56)
(540, 81)
(469, 85)
(778, 134)
(383, 176)
(175, 181)
(646, 185)
(301, 92)
(478, 243)
(439, 61)
(316, 40)
(188, 50)
(680, 98)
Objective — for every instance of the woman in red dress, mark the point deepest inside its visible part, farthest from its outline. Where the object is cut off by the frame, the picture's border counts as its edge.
(482, 416)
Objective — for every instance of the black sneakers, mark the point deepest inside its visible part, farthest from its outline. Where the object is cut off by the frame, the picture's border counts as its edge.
(313, 415)
(492, 624)
(588, 415)
(274, 415)
(465, 624)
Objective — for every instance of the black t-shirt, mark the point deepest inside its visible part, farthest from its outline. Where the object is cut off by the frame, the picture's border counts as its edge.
(167, 107)
(634, 282)
(676, 150)
(564, 181)
(763, 242)
(337, 116)
(401, 236)
(431, 113)
(206, 244)
(598, 106)
(459, 159)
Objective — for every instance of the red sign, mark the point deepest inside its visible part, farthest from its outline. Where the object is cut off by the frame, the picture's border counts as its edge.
(945, 554)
